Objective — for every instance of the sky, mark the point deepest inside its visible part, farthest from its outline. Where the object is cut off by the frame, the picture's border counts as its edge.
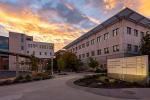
(61, 21)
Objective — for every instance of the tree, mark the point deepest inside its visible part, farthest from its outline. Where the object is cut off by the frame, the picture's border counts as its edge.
(48, 67)
(145, 45)
(71, 61)
(79, 65)
(68, 61)
(93, 63)
(60, 64)
(34, 63)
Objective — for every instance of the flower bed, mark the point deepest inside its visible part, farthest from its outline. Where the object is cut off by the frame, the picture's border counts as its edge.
(102, 81)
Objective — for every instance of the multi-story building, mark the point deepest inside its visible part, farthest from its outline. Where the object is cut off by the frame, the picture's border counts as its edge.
(119, 36)
(24, 44)
(4, 45)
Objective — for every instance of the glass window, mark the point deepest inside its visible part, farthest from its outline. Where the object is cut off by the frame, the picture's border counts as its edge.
(129, 30)
(115, 48)
(4, 44)
(87, 55)
(106, 36)
(33, 52)
(93, 53)
(73, 49)
(79, 46)
(22, 47)
(87, 43)
(136, 48)
(83, 55)
(79, 56)
(99, 52)
(129, 48)
(83, 45)
(115, 32)
(45, 53)
(106, 50)
(92, 41)
(76, 48)
(142, 34)
(99, 39)
(135, 32)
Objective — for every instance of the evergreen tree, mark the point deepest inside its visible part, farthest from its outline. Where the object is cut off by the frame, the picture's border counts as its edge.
(93, 63)
(34, 63)
(145, 45)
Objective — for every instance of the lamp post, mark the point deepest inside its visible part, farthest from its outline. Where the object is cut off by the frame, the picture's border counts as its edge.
(52, 64)
(17, 65)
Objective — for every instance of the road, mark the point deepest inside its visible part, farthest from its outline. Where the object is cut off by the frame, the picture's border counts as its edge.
(53, 89)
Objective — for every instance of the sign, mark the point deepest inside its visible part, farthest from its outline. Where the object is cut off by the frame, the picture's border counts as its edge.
(129, 68)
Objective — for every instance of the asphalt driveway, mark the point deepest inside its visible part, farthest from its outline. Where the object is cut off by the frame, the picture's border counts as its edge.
(54, 89)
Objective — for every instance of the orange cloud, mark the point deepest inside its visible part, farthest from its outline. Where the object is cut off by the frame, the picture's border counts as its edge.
(144, 7)
(110, 4)
(141, 6)
(30, 23)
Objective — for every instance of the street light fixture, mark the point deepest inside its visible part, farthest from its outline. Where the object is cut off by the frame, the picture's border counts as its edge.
(52, 64)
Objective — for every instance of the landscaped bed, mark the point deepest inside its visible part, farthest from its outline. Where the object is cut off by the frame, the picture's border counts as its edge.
(26, 78)
(102, 81)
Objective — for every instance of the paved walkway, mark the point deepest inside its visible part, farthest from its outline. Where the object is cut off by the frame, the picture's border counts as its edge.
(54, 89)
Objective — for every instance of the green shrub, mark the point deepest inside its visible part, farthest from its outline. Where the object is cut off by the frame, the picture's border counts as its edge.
(37, 78)
(50, 77)
(106, 80)
(112, 80)
(28, 78)
(43, 75)
(19, 79)
(7, 82)
(98, 70)
(1, 82)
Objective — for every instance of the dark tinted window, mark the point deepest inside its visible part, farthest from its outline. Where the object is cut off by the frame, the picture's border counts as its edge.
(4, 43)
(129, 30)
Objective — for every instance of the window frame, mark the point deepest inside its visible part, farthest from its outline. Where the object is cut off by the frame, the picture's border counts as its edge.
(129, 30)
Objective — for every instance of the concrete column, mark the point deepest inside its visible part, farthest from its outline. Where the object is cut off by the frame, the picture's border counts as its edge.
(52, 66)
(1, 63)
(17, 65)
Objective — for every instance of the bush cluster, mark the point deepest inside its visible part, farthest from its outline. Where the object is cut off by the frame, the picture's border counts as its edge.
(102, 81)
(98, 70)
(27, 78)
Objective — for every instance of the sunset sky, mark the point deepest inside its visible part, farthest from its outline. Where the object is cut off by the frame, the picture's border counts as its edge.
(61, 21)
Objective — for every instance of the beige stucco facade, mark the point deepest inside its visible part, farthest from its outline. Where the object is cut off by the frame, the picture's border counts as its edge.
(23, 44)
(118, 43)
